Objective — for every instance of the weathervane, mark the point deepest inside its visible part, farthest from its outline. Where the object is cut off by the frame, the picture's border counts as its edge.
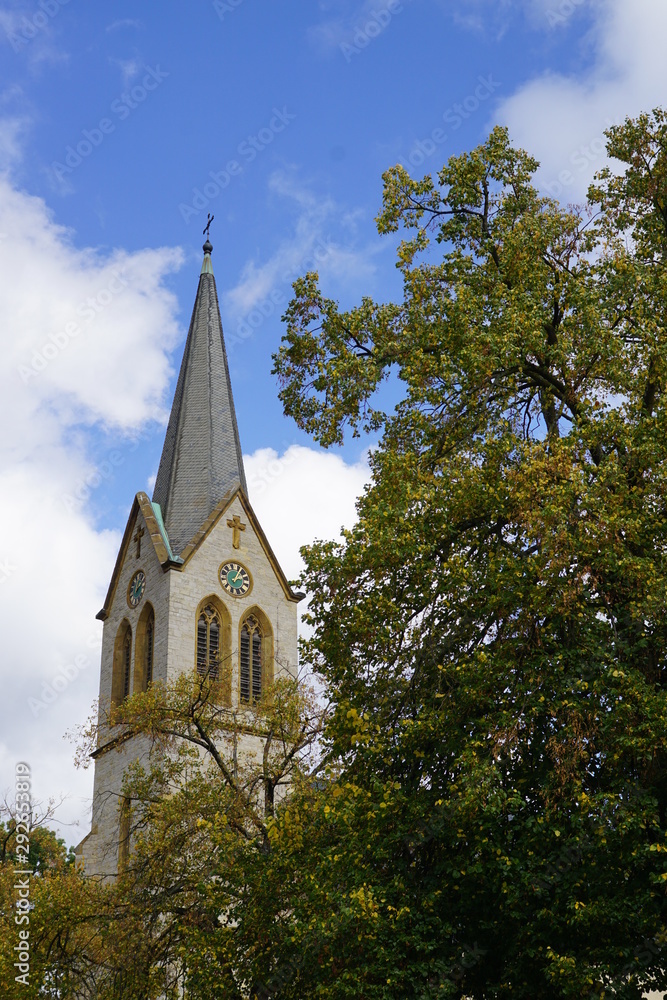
(205, 231)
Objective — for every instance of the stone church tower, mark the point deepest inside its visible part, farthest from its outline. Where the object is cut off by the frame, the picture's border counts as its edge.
(196, 582)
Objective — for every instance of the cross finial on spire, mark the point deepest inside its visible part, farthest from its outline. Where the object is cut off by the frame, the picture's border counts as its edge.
(207, 248)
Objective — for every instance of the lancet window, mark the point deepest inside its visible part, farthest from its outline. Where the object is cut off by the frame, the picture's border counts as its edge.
(127, 663)
(251, 660)
(121, 679)
(209, 628)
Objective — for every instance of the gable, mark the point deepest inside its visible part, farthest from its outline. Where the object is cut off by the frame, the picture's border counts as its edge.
(142, 516)
(216, 521)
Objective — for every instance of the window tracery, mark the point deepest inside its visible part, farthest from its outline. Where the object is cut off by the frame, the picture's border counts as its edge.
(208, 643)
(251, 661)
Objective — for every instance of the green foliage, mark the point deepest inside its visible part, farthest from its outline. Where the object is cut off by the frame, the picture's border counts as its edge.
(46, 850)
(497, 613)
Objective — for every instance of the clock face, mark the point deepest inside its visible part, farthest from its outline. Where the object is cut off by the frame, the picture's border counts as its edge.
(235, 579)
(136, 589)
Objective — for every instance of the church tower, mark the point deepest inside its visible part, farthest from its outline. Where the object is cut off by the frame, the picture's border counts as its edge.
(195, 582)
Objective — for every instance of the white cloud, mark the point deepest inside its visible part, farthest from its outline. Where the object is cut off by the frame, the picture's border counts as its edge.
(351, 25)
(325, 486)
(309, 247)
(561, 118)
(326, 489)
(72, 320)
(14, 123)
(10, 147)
(129, 68)
(124, 22)
(338, 24)
(492, 18)
(53, 567)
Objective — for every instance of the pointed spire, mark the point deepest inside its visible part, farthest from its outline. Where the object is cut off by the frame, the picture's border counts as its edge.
(201, 458)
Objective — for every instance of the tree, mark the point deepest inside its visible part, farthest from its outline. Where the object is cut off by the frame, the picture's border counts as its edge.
(181, 913)
(202, 818)
(492, 632)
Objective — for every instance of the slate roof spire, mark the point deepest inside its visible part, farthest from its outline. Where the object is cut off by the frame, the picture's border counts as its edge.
(201, 458)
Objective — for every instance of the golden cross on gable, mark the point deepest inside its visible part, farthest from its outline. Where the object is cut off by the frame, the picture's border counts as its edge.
(137, 538)
(235, 524)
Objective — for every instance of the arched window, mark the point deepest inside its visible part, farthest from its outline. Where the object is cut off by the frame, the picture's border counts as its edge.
(144, 651)
(213, 646)
(121, 678)
(209, 628)
(251, 660)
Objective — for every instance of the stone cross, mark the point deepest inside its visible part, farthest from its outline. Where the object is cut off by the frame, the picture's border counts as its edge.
(137, 538)
(235, 524)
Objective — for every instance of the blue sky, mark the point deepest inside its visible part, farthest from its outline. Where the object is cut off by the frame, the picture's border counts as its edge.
(121, 126)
